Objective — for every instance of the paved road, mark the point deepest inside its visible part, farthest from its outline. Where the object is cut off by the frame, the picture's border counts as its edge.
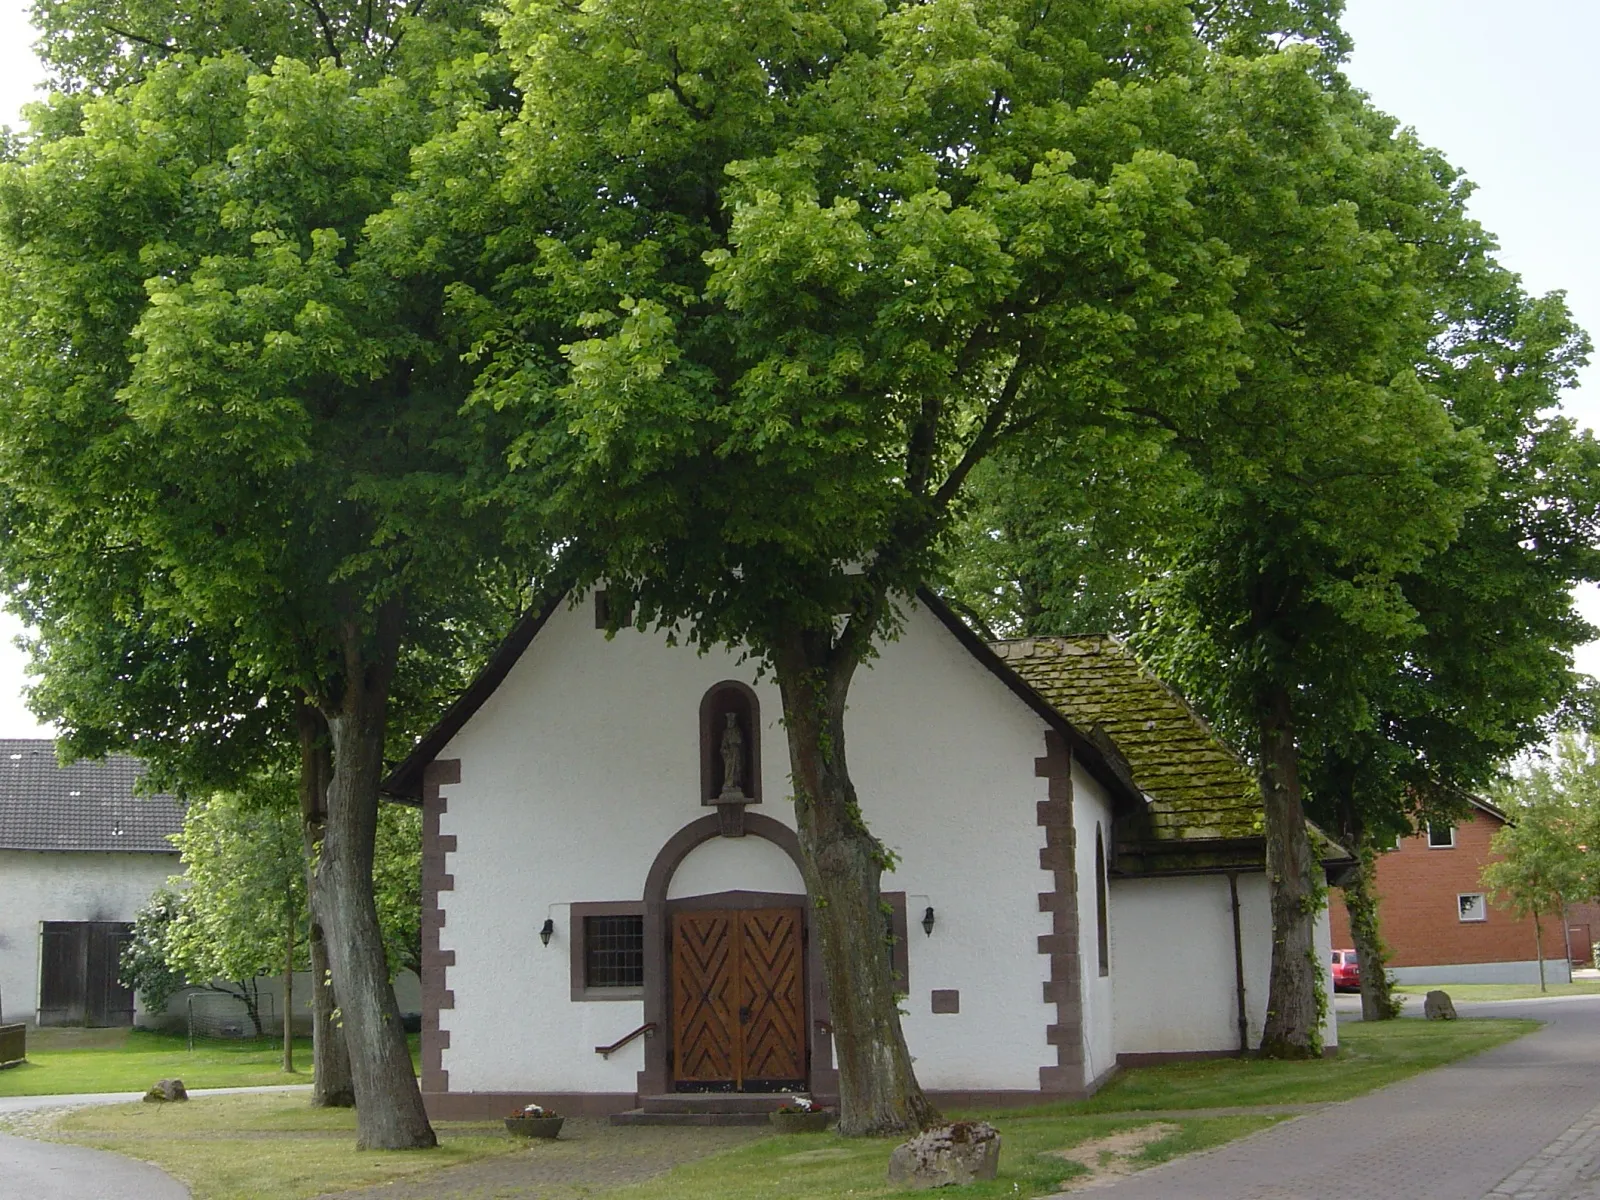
(1520, 1122)
(46, 1171)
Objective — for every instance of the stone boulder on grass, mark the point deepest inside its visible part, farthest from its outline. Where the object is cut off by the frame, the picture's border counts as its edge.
(949, 1155)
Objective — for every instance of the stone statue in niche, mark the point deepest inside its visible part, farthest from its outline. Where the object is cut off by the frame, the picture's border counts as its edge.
(732, 760)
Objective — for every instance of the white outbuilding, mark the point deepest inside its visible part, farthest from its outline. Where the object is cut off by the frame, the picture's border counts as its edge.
(615, 920)
(80, 852)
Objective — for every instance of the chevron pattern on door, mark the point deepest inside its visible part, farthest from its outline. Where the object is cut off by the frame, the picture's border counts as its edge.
(738, 1000)
(705, 1010)
(771, 997)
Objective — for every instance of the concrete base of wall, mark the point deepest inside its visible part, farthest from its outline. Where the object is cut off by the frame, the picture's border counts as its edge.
(1556, 970)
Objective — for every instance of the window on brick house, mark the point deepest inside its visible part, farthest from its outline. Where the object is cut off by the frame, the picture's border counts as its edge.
(1441, 837)
(1471, 907)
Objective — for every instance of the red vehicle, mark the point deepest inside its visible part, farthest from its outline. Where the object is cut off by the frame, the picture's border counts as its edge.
(1346, 971)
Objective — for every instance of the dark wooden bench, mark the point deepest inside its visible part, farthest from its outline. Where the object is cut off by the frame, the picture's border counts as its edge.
(13, 1044)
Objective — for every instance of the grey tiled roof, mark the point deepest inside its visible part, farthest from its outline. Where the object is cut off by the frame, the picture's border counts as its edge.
(86, 806)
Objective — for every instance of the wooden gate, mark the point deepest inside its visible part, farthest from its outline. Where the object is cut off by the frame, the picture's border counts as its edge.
(78, 969)
(738, 1000)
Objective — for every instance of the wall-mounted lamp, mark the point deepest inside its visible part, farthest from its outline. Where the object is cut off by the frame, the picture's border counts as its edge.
(548, 930)
(927, 920)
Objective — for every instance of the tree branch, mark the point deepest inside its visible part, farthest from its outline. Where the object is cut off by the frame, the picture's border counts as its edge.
(993, 422)
(327, 33)
(166, 47)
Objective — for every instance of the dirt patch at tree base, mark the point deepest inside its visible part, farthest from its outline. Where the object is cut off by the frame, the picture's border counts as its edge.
(1109, 1158)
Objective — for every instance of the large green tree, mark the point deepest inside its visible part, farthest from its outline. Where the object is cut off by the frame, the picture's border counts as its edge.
(242, 913)
(1490, 672)
(1266, 559)
(220, 393)
(1549, 851)
(808, 265)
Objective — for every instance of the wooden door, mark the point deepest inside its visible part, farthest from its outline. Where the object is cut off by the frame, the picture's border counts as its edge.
(63, 948)
(772, 1000)
(738, 1000)
(705, 1008)
(79, 965)
(1582, 947)
(106, 1001)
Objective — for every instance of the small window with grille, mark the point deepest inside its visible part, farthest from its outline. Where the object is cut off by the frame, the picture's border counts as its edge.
(613, 952)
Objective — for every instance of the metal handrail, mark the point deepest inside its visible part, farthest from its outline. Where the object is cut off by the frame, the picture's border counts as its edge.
(648, 1029)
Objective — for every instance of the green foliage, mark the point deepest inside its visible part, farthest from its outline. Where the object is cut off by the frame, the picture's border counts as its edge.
(242, 895)
(809, 269)
(397, 885)
(145, 966)
(1551, 847)
(243, 887)
(99, 45)
(255, 441)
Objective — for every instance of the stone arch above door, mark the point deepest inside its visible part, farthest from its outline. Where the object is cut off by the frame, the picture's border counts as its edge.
(655, 1078)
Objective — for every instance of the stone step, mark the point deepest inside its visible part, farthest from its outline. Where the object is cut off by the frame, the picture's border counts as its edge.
(716, 1102)
(642, 1116)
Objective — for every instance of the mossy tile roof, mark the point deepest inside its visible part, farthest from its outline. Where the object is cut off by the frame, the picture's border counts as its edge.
(1200, 789)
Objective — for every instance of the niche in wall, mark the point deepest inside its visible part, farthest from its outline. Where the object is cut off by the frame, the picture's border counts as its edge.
(730, 735)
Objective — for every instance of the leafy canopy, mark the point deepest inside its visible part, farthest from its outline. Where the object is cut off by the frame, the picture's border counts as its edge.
(806, 269)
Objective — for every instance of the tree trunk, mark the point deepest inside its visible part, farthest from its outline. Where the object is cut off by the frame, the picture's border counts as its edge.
(331, 1084)
(1378, 1002)
(878, 1091)
(252, 1005)
(288, 995)
(1538, 946)
(1293, 1028)
(389, 1111)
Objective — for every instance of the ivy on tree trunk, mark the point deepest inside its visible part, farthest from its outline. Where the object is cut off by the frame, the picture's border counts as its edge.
(844, 864)
(1293, 1027)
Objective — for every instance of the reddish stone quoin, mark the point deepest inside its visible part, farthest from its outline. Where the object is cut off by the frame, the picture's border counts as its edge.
(1417, 886)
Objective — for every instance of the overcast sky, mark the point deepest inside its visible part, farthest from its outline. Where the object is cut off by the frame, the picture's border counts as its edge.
(1508, 92)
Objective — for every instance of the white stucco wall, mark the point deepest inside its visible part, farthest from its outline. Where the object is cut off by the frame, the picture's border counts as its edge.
(1172, 950)
(735, 864)
(37, 886)
(586, 760)
(1091, 810)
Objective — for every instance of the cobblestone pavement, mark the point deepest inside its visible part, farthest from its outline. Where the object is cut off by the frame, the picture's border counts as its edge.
(1568, 1168)
(1520, 1122)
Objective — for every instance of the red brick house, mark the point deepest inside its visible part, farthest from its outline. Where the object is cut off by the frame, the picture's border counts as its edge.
(1435, 915)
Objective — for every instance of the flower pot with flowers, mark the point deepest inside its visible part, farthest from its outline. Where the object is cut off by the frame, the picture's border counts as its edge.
(534, 1120)
(799, 1115)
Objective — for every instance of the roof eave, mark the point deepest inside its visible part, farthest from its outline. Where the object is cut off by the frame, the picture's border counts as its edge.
(404, 783)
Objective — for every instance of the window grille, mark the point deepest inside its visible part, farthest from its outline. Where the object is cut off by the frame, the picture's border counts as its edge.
(613, 952)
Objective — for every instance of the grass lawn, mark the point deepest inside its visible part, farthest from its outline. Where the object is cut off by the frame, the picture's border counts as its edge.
(274, 1144)
(1504, 991)
(1370, 1056)
(130, 1060)
(822, 1166)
